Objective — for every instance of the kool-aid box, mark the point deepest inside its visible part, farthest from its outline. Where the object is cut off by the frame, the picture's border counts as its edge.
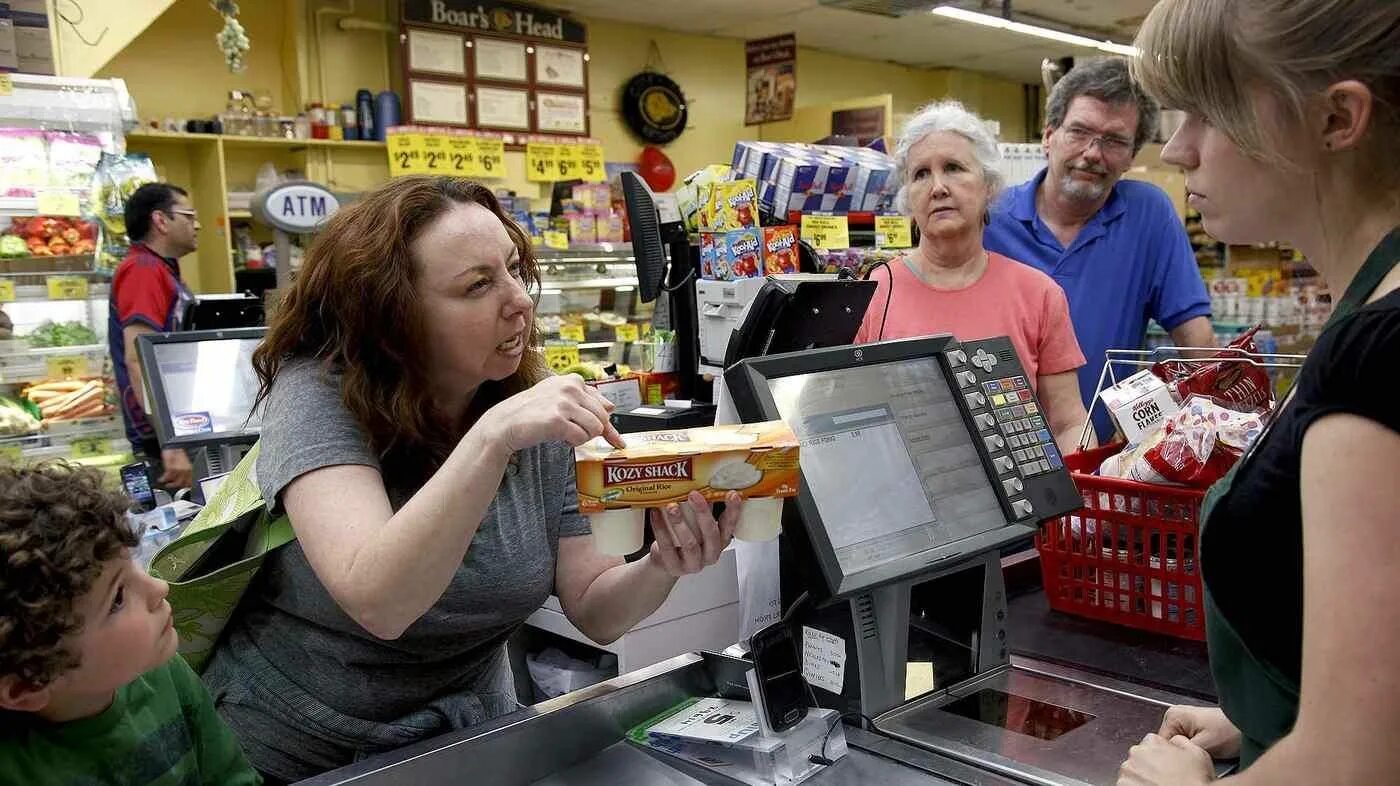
(733, 205)
(780, 251)
(707, 255)
(742, 253)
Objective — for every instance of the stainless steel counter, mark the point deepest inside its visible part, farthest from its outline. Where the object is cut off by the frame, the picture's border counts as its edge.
(560, 737)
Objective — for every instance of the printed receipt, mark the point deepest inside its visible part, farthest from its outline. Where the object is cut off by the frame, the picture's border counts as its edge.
(823, 659)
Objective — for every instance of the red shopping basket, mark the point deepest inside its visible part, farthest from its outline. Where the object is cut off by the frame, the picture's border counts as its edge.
(1130, 555)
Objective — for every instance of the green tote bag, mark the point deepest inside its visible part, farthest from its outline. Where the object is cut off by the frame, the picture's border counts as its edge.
(212, 563)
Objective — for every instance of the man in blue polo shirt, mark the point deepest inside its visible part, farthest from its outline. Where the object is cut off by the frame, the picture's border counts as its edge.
(1117, 247)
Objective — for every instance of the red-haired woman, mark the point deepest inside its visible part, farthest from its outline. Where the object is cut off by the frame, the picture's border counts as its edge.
(422, 451)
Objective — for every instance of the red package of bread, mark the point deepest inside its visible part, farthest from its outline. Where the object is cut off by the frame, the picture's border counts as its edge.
(1237, 383)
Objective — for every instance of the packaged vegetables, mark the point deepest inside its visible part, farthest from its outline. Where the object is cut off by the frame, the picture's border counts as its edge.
(70, 399)
(61, 334)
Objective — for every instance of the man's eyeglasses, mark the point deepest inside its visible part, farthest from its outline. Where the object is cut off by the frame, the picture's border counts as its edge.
(190, 214)
(1110, 145)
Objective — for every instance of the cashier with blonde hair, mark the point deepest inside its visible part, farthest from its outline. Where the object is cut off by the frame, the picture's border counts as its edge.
(946, 161)
(1292, 133)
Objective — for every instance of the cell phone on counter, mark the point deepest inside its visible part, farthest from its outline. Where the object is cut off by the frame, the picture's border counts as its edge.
(778, 667)
(136, 479)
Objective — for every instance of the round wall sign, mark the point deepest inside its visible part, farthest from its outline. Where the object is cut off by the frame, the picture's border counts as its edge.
(654, 107)
(296, 207)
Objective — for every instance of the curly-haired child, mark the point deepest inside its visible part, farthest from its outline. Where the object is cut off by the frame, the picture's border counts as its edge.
(91, 690)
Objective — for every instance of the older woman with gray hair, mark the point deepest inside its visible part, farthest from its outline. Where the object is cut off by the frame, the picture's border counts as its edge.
(946, 161)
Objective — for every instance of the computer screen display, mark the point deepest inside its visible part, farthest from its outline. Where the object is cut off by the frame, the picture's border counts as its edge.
(894, 483)
(887, 459)
(203, 389)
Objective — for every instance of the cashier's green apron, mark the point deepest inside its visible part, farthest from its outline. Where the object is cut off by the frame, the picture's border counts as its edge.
(1259, 698)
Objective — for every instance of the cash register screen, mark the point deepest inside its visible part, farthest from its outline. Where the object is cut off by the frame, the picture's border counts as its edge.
(205, 389)
(887, 459)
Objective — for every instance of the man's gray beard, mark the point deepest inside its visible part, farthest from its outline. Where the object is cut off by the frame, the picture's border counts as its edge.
(1087, 192)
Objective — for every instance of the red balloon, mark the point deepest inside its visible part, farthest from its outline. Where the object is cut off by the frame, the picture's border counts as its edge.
(657, 169)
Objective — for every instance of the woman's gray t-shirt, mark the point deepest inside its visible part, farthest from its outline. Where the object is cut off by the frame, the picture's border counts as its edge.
(508, 572)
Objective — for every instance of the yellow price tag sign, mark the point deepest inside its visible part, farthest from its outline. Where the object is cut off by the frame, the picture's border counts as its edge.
(66, 366)
(557, 240)
(490, 157)
(403, 153)
(591, 165)
(893, 232)
(67, 287)
(627, 333)
(462, 156)
(7, 291)
(89, 447)
(826, 232)
(541, 162)
(572, 333)
(569, 162)
(7, 85)
(434, 160)
(10, 453)
(560, 354)
(57, 202)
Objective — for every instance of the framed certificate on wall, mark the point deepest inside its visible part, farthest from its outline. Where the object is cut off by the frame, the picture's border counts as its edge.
(438, 53)
(498, 59)
(499, 107)
(438, 102)
(559, 66)
(561, 112)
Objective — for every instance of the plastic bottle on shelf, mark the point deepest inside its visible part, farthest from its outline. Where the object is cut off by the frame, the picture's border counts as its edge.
(301, 126)
(348, 122)
(333, 129)
(386, 113)
(364, 114)
(317, 115)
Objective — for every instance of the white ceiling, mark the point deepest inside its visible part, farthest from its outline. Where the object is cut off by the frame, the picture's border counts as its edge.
(918, 39)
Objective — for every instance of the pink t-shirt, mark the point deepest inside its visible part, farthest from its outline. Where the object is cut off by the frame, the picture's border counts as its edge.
(1010, 299)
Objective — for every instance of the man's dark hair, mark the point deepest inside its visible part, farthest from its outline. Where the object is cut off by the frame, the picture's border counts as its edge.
(146, 200)
(58, 524)
(1108, 80)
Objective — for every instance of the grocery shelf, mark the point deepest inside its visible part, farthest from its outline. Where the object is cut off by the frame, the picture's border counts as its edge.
(251, 141)
(590, 283)
(39, 293)
(32, 365)
(235, 215)
(66, 265)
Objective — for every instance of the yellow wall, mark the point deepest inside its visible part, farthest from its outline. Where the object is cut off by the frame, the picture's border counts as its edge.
(100, 30)
(174, 69)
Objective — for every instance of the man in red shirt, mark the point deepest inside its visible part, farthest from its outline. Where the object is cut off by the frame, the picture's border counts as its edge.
(149, 297)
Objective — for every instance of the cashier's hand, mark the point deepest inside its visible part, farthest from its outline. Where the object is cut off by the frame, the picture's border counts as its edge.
(558, 409)
(687, 541)
(1205, 727)
(1157, 761)
(178, 474)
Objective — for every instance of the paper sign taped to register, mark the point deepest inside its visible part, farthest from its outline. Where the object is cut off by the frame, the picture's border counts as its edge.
(823, 659)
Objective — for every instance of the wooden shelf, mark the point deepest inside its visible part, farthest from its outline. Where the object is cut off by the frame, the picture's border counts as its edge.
(174, 137)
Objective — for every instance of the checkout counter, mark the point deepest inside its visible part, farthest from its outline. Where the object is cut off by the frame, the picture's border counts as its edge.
(915, 477)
